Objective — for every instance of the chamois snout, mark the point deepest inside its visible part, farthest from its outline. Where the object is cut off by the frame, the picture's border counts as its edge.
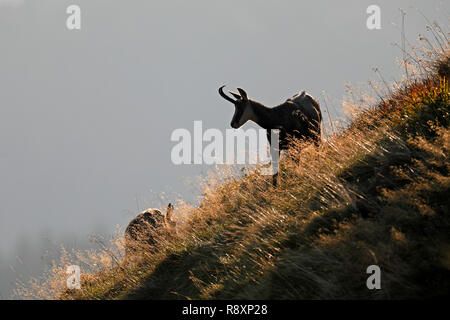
(235, 120)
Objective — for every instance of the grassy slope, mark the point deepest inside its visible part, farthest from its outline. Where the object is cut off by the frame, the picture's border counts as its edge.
(378, 193)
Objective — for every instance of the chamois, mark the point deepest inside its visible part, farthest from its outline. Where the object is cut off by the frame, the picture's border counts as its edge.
(299, 117)
(140, 232)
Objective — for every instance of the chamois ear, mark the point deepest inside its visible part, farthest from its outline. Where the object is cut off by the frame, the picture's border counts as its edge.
(169, 211)
(243, 94)
(235, 95)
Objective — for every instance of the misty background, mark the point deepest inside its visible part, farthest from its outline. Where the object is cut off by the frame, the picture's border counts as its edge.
(86, 115)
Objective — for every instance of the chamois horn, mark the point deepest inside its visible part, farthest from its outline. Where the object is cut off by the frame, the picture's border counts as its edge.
(225, 96)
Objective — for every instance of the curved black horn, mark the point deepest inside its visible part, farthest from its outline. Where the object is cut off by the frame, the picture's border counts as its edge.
(243, 94)
(225, 96)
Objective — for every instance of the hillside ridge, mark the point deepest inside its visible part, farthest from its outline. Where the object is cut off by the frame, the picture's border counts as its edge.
(374, 194)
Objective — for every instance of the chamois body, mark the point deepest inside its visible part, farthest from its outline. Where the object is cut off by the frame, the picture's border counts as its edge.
(298, 117)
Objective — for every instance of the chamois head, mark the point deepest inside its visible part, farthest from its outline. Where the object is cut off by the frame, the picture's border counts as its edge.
(242, 105)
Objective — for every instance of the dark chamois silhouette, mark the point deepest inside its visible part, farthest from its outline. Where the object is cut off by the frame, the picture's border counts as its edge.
(299, 117)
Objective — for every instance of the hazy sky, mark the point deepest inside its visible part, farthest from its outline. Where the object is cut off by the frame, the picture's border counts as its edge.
(86, 115)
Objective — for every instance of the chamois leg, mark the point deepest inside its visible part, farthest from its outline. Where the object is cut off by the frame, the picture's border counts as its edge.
(275, 167)
(274, 179)
(275, 151)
